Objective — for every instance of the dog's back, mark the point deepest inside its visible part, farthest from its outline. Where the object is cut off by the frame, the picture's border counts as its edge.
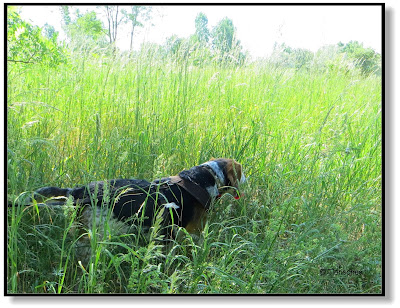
(128, 198)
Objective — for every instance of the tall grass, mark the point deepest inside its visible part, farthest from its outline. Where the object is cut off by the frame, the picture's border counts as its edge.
(310, 143)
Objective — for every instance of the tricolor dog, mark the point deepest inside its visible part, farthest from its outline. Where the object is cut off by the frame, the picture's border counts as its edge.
(182, 200)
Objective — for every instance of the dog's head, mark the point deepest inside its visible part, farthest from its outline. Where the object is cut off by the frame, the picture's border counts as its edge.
(228, 175)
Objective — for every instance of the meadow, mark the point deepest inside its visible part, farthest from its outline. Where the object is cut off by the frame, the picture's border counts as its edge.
(310, 142)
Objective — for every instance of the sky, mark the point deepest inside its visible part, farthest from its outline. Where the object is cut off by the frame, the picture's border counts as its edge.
(258, 27)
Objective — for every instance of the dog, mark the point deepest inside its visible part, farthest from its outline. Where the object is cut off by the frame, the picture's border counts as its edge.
(183, 200)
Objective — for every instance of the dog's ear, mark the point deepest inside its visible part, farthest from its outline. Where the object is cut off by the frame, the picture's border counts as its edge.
(234, 172)
(212, 158)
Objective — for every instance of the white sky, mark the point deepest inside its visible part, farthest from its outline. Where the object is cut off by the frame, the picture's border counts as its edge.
(258, 27)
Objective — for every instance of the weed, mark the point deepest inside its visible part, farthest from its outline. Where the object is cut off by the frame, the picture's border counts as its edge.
(310, 144)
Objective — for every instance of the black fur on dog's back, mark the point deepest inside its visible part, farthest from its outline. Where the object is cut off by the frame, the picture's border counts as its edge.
(130, 198)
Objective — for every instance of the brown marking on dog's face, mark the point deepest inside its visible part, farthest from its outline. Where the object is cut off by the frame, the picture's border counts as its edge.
(234, 173)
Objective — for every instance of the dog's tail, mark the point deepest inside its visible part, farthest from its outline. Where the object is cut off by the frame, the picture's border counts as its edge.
(45, 193)
(49, 195)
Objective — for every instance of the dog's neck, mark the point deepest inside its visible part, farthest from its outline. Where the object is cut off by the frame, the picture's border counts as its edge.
(203, 177)
(218, 175)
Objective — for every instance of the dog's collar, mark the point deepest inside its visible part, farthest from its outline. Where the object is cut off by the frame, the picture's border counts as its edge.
(198, 192)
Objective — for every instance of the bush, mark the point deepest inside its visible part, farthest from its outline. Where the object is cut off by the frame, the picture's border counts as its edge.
(26, 44)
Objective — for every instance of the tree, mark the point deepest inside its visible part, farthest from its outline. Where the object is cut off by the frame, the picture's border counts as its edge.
(202, 33)
(225, 45)
(49, 31)
(113, 22)
(89, 27)
(137, 12)
(27, 45)
(203, 47)
(303, 58)
(64, 9)
(223, 36)
(173, 44)
(291, 57)
(85, 31)
(364, 58)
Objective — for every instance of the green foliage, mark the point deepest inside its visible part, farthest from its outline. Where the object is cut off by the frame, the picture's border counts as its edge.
(223, 50)
(66, 15)
(349, 58)
(27, 45)
(225, 45)
(50, 32)
(86, 32)
(223, 35)
(289, 57)
(364, 58)
(88, 26)
(202, 32)
(187, 50)
(173, 44)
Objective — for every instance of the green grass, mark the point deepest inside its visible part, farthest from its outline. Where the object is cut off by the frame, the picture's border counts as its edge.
(310, 144)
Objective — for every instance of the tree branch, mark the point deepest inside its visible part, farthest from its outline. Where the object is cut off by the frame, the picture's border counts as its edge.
(20, 61)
